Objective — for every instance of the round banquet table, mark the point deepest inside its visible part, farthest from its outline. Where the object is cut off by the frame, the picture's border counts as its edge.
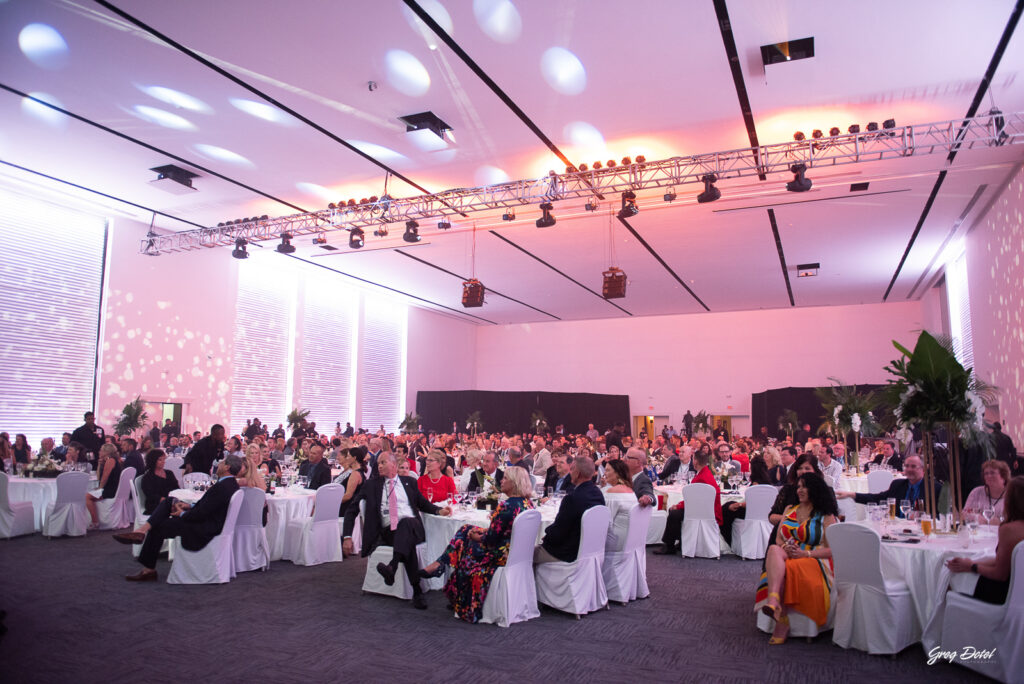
(674, 494)
(857, 484)
(41, 491)
(287, 504)
(923, 567)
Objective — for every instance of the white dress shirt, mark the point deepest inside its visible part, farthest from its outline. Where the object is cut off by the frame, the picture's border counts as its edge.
(832, 472)
(404, 508)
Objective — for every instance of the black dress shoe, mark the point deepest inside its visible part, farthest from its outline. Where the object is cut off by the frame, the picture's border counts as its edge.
(145, 575)
(418, 602)
(665, 550)
(129, 537)
(429, 575)
(387, 573)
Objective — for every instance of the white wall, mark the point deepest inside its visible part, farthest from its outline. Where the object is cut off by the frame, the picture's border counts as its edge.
(714, 362)
(167, 331)
(995, 278)
(441, 354)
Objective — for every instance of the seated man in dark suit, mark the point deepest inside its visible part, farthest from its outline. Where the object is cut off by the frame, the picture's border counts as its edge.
(911, 488)
(393, 506)
(562, 538)
(196, 525)
(558, 478)
(316, 468)
(889, 456)
(133, 458)
(636, 461)
(488, 476)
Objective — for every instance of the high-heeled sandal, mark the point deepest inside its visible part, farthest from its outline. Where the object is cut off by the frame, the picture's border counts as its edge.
(775, 612)
(430, 575)
(774, 640)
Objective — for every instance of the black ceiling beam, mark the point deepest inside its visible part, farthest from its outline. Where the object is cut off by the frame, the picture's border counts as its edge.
(986, 80)
(782, 255)
(97, 192)
(810, 201)
(729, 41)
(152, 148)
(390, 289)
(661, 261)
(456, 275)
(567, 277)
(257, 92)
(489, 82)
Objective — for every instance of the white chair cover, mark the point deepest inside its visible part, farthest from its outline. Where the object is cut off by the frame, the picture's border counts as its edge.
(463, 482)
(872, 614)
(16, 517)
(317, 539)
(68, 514)
(139, 505)
(751, 535)
(250, 548)
(656, 530)
(578, 587)
(879, 481)
(970, 622)
(512, 596)
(176, 465)
(373, 583)
(700, 537)
(214, 563)
(799, 624)
(118, 513)
(625, 572)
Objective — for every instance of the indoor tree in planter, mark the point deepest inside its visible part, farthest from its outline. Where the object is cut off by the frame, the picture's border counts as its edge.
(848, 411)
(297, 418)
(410, 424)
(538, 422)
(788, 421)
(473, 422)
(133, 416)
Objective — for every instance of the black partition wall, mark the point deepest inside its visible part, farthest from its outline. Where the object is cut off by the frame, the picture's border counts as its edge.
(767, 406)
(510, 411)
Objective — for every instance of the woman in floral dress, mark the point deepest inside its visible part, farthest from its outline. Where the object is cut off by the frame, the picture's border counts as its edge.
(474, 553)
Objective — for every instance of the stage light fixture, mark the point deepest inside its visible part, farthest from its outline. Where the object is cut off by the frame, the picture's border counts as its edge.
(472, 293)
(798, 136)
(412, 232)
(547, 220)
(509, 215)
(240, 251)
(872, 126)
(356, 238)
(614, 283)
(834, 131)
(320, 239)
(816, 133)
(711, 193)
(807, 270)
(286, 246)
(583, 167)
(591, 205)
(629, 207)
(626, 161)
(998, 125)
(853, 129)
(800, 183)
(889, 123)
(381, 231)
(598, 166)
(669, 196)
(611, 164)
(444, 224)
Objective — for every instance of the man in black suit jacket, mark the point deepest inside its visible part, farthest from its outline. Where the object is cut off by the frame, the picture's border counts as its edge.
(91, 436)
(562, 538)
(478, 481)
(316, 468)
(558, 478)
(889, 456)
(384, 492)
(196, 525)
(636, 461)
(203, 453)
(911, 488)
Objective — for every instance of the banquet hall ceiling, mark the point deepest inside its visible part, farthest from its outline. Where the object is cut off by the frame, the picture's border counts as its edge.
(145, 84)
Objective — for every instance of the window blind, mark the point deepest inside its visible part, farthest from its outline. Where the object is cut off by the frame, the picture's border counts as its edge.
(960, 310)
(382, 364)
(51, 280)
(329, 321)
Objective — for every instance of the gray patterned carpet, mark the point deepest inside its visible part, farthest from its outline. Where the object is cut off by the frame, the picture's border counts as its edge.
(73, 618)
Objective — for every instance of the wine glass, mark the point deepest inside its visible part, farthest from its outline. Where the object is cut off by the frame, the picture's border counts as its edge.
(972, 523)
(988, 512)
(905, 507)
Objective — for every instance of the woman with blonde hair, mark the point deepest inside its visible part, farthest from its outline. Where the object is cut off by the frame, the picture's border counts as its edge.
(253, 476)
(475, 553)
(110, 468)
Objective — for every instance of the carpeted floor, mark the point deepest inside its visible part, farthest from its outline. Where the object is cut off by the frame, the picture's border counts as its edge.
(73, 618)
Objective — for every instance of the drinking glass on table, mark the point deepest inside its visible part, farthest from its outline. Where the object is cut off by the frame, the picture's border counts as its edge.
(905, 507)
(892, 508)
(926, 525)
(988, 513)
(971, 519)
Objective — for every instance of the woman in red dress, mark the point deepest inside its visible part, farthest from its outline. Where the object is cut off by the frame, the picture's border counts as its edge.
(434, 484)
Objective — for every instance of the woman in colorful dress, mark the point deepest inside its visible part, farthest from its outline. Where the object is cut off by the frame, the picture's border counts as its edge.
(798, 575)
(474, 553)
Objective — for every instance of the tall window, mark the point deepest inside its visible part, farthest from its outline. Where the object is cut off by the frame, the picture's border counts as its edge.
(960, 310)
(329, 324)
(51, 282)
(382, 374)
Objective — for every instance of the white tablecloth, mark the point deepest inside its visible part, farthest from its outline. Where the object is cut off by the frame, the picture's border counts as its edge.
(283, 507)
(674, 492)
(41, 491)
(857, 484)
(923, 567)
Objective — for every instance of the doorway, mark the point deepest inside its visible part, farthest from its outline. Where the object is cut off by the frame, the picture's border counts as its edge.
(649, 425)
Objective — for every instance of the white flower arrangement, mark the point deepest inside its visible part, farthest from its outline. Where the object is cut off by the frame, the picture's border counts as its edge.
(855, 422)
(835, 413)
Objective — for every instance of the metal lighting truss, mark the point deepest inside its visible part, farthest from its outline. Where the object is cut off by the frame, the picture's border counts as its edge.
(851, 148)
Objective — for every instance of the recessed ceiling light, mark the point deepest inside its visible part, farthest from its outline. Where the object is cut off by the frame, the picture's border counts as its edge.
(787, 51)
(162, 118)
(499, 19)
(858, 187)
(44, 45)
(563, 71)
(807, 270)
(406, 73)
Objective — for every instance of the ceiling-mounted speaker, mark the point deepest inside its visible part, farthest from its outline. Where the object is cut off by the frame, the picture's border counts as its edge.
(472, 293)
(614, 285)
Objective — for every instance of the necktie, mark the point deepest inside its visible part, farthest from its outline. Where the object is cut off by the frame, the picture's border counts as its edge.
(393, 507)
